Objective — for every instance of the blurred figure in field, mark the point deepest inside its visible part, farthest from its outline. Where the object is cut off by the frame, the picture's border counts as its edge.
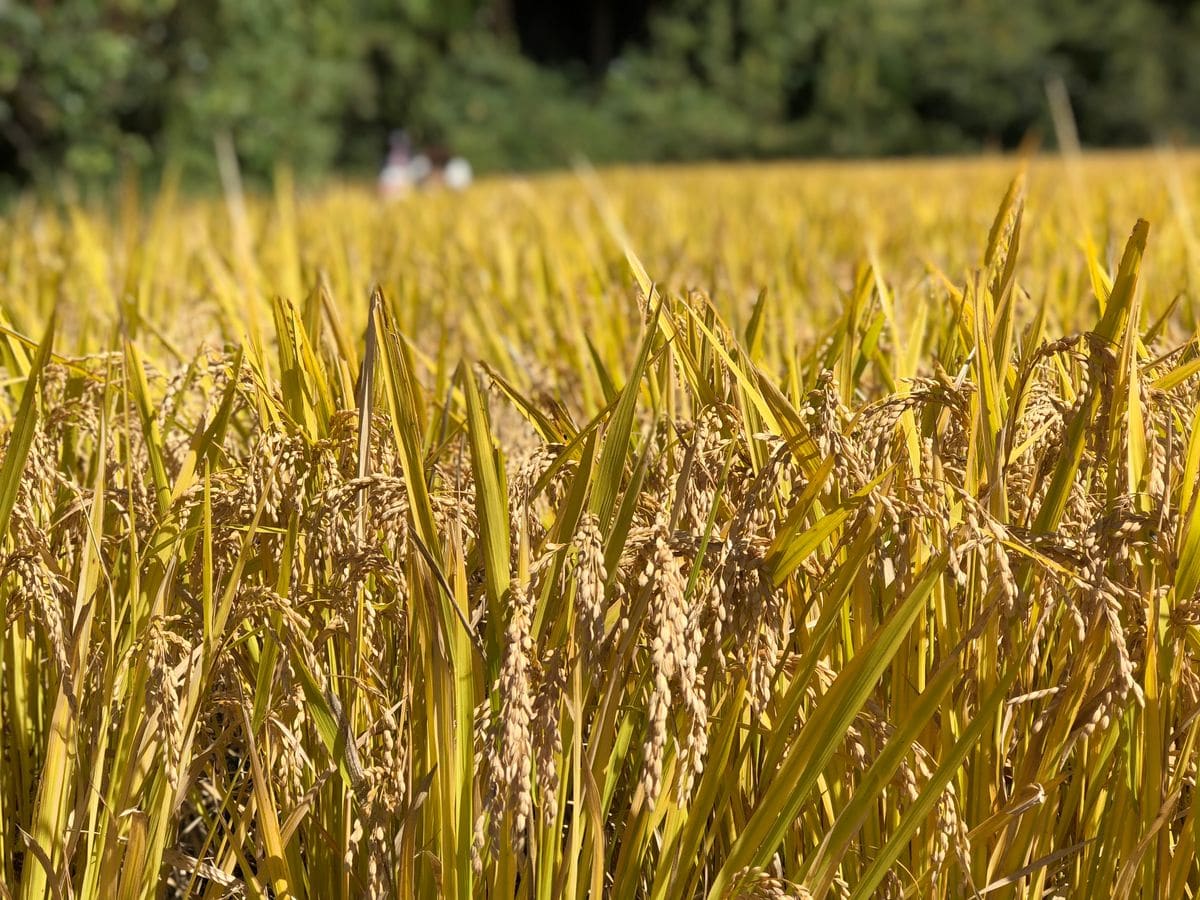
(457, 174)
(396, 176)
(443, 169)
(435, 167)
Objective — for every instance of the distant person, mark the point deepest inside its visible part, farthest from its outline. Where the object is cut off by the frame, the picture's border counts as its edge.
(433, 167)
(396, 177)
(458, 174)
(441, 169)
(420, 170)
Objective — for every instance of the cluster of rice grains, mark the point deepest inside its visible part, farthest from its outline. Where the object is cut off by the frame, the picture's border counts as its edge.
(900, 610)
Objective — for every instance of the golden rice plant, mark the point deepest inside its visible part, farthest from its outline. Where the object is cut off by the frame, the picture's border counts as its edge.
(750, 532)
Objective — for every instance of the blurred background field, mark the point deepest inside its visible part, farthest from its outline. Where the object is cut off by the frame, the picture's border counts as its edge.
(464, 269)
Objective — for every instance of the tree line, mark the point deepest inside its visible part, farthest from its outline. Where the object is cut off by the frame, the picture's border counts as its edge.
(93, 88)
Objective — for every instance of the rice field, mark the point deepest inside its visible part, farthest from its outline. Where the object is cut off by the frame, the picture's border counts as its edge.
(721, 532)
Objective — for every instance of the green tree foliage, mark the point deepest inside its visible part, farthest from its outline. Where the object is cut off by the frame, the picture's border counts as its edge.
(56, 62)
(89, 86)
(273, 73)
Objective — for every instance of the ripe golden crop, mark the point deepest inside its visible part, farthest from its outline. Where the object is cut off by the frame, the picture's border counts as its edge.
(753, 531)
